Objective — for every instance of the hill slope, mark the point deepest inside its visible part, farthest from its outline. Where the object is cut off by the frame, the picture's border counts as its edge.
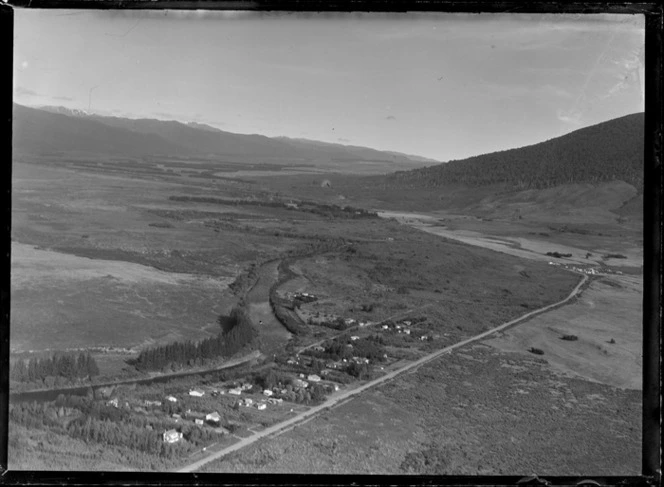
(38, 131)
(61, 130)
(608, 151)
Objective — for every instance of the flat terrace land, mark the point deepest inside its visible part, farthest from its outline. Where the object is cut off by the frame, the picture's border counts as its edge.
(477, 412)
(609, 310)
(62, 301)
(532, 240)
(461, 290)
(492, 407)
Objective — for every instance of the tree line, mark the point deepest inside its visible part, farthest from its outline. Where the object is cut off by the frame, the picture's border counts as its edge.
(322, 209)
(237, 332)
(67, 365)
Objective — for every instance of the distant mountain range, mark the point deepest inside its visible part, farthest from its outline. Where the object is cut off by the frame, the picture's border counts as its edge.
(607, 151)
(49, 130)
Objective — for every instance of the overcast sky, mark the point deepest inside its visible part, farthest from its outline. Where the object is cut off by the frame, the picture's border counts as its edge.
(438, 85)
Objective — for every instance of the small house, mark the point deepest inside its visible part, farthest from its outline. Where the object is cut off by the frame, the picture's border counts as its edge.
(313, 378)
(354, 337)
(385, 327)
(407, 332)
(171, 399)
(261, 405)
(236, 392)
(267, 392)
(213, 417)
(172, 436)
(196, 393)
(113, 402)
(198, 421)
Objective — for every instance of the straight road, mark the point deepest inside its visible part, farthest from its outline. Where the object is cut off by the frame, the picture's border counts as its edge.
(340, 396)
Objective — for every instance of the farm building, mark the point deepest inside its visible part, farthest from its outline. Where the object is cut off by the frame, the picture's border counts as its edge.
(172, 436)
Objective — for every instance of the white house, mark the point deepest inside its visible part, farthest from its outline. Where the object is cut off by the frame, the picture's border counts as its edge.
(267, 392)
(237, 391)
(113, 402)
(313, 378)
(171, 399)
(198, 421)
(355, 337)
(213, 417)
(172, 436)
(407, 332)
(196, 393)
(260, 406)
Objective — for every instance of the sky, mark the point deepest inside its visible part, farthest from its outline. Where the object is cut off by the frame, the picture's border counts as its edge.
(444, 86)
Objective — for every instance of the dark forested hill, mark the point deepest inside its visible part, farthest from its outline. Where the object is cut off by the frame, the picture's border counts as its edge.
(608, 151)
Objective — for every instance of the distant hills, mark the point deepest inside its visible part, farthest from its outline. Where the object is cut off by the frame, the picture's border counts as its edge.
(60, 130)
(608, 151)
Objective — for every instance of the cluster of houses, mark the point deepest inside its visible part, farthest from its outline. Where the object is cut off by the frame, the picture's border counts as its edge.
(361, 324)
(260, 405)
(403, 328)
(591, 271)
(304, 297)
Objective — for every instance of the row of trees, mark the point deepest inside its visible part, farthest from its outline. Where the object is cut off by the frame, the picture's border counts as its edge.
(308, 206)
(67, 365)
(237, 333)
